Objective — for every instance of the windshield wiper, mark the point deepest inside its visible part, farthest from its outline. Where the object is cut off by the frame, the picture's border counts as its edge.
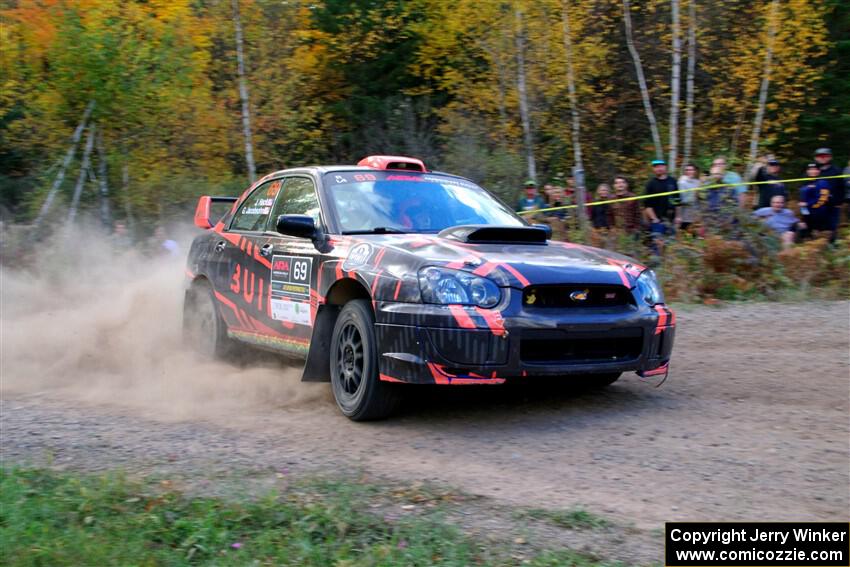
(376, 230)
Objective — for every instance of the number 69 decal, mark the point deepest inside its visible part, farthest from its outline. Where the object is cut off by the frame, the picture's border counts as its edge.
(300, 271)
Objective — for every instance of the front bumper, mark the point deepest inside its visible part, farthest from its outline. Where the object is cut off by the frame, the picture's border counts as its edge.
(429, 344)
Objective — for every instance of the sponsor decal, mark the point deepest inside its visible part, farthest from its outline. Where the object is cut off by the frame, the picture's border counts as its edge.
(290, 289)
(243, 281)
(404, 178)
(297, 312)
(448, 181)
(291, 276)
(358, 256)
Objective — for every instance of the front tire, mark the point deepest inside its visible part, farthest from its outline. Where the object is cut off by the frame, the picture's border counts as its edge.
(360, 395)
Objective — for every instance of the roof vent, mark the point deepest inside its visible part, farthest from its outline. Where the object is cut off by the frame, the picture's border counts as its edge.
(393, 162)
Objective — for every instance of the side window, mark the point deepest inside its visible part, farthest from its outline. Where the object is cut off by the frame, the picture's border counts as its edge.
(298, 197)
(254, 212)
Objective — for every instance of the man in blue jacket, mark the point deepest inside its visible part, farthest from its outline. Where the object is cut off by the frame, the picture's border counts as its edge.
(823, 157)
(816, 205)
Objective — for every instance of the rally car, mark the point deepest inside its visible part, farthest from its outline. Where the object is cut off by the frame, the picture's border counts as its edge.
(386, 272)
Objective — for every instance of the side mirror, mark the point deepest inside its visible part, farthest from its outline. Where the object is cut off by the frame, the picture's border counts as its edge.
(545, 228)
(302, 226)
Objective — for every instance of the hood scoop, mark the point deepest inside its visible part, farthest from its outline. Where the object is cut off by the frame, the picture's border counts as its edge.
(488, 234)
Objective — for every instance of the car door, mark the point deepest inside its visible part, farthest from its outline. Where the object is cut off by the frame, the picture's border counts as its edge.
(242, 278)
(294, 267)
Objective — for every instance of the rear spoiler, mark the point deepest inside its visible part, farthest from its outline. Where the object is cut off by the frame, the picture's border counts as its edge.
(202, 211)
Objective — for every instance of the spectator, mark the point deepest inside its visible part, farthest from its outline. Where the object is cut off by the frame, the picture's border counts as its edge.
(688, 207)
(120, 236)
(780, 220)
(767, 190)
(659, 210)
(600, 215)
(532, 201)
(735, 191)
(164, 246)
(547, 193)
(847, 187)
(847, 183)
(816, 206)
(758, 165)
(571, 185)
(625, 214)
(823, 157)
(557, 199)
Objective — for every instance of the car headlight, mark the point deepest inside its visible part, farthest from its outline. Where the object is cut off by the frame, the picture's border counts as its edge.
(648, 289)
(445, 286)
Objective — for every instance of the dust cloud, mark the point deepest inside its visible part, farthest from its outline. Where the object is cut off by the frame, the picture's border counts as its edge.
(92, 319)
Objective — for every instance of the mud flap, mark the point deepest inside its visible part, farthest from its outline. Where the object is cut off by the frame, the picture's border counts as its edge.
(317, 366)
(662, 371)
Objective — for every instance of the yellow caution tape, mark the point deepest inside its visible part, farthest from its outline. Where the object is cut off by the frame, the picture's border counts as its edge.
(702, 188)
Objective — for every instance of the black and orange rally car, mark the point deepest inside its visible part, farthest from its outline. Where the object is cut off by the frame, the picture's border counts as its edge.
(386, 272)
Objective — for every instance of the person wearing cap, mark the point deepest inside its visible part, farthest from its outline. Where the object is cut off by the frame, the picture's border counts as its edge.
(769, 185)
(532, 200)
(823, 157)
(816, 205)
(658, 211)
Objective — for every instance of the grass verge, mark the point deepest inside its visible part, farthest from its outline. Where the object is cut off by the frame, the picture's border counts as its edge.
(568, 519)
(53, 518)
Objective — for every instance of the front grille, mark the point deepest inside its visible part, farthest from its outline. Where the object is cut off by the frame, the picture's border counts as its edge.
(576, 295)
(561, 346)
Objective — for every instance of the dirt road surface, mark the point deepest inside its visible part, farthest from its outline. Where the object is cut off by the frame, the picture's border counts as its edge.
(753, 424)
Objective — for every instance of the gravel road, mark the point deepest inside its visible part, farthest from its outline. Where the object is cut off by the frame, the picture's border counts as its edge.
(753, 424)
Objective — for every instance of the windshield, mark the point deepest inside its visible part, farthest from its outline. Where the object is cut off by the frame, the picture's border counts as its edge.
(387, 201)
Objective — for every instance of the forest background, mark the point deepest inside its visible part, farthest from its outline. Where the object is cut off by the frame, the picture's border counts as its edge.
(179, 98)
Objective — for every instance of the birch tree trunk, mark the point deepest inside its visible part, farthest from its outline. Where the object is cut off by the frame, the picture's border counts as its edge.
(60, 176)
(576, 121)
(128, 206)
(243, 94)
(81, 179)
(765, 83)
(495, 53)
(105, 208)
(644, 92)
(675, 85)
(522, 91)
(689, 87)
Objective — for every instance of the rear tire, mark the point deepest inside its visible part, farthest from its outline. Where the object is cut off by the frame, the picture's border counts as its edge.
(203, 328)
(358, 392)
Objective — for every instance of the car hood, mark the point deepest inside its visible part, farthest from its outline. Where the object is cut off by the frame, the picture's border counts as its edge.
(515, 265)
